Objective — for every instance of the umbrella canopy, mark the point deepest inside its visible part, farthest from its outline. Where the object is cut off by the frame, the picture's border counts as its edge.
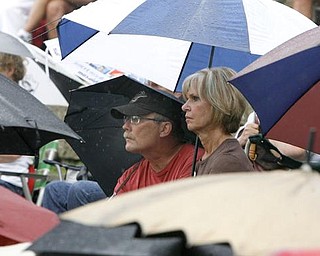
(21, 220)
(250, 28)
(256, 213)
(44, 79)
(124, 240)
(89, 115)
(12, 45)
(25, 123)
(283, 88)
(58, 76)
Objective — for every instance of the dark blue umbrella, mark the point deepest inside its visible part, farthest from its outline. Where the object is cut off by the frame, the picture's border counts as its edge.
(283, 88)
(214, 33)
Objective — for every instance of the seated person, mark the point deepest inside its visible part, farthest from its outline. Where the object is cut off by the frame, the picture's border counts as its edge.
(14, 163)
(13, 15)
(214, 109)
(52, 11)
(152, 128)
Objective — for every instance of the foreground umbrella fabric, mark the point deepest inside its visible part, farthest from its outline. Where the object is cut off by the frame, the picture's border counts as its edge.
(26, 124)
(21, 220)
(283, 88)
(124, 240)
(89, 114)
(257, 214)
(240, 31)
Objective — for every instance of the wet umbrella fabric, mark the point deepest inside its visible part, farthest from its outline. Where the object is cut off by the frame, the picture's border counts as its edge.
(124, 240)
(168, 61)
(283, 88)
(269, 216)
(21, 220)
(25, 123)
(89, 115)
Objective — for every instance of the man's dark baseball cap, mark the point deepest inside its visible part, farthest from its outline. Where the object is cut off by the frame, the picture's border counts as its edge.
(144, 103)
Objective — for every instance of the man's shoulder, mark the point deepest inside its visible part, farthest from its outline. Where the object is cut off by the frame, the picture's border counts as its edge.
(188, 150)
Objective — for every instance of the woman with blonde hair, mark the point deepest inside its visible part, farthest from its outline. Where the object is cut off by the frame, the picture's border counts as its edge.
(214, 109)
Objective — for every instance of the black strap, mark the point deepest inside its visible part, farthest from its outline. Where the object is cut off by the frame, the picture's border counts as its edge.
(284, 160)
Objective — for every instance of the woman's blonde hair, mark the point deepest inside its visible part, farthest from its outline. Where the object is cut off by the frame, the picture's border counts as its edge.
(228, 104)
(15, 62)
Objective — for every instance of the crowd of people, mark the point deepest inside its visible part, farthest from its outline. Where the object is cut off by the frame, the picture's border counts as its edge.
(213, 110)
(151, 128)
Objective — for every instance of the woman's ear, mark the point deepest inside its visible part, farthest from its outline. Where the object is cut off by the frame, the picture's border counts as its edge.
(165, 128)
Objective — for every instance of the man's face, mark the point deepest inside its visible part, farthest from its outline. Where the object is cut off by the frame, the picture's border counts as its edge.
(141, 137)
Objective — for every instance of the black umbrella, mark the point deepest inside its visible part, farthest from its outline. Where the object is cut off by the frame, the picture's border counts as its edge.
(64, 83)
(70, 238)
(25, 123)
(89, 115)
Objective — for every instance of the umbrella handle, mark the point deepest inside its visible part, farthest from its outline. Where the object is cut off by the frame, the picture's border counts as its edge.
(251, 150)
(312, 134)
(196, 146)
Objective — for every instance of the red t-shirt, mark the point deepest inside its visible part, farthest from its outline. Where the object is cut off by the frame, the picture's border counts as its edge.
(179, 167)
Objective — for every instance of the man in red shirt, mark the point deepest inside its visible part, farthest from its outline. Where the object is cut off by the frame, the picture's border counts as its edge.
(152, 128)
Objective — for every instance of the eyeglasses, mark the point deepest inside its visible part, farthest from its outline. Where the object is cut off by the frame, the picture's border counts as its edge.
(135, 120)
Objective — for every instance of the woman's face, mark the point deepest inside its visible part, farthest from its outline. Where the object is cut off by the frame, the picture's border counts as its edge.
(199, 114)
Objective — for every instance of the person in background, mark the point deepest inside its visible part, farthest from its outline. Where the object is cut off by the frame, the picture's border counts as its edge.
(252, 127)
(13, 15)
(12, 67)
(52, 11)
(304, 7)
(214, 109)
(152, 128)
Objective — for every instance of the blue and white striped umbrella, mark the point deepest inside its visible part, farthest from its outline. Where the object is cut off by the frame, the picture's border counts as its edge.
(164, 41)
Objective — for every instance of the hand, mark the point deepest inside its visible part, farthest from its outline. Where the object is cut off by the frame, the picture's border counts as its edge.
(249, 130)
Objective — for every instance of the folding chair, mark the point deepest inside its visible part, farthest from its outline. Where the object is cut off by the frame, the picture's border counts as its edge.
(34, 182)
